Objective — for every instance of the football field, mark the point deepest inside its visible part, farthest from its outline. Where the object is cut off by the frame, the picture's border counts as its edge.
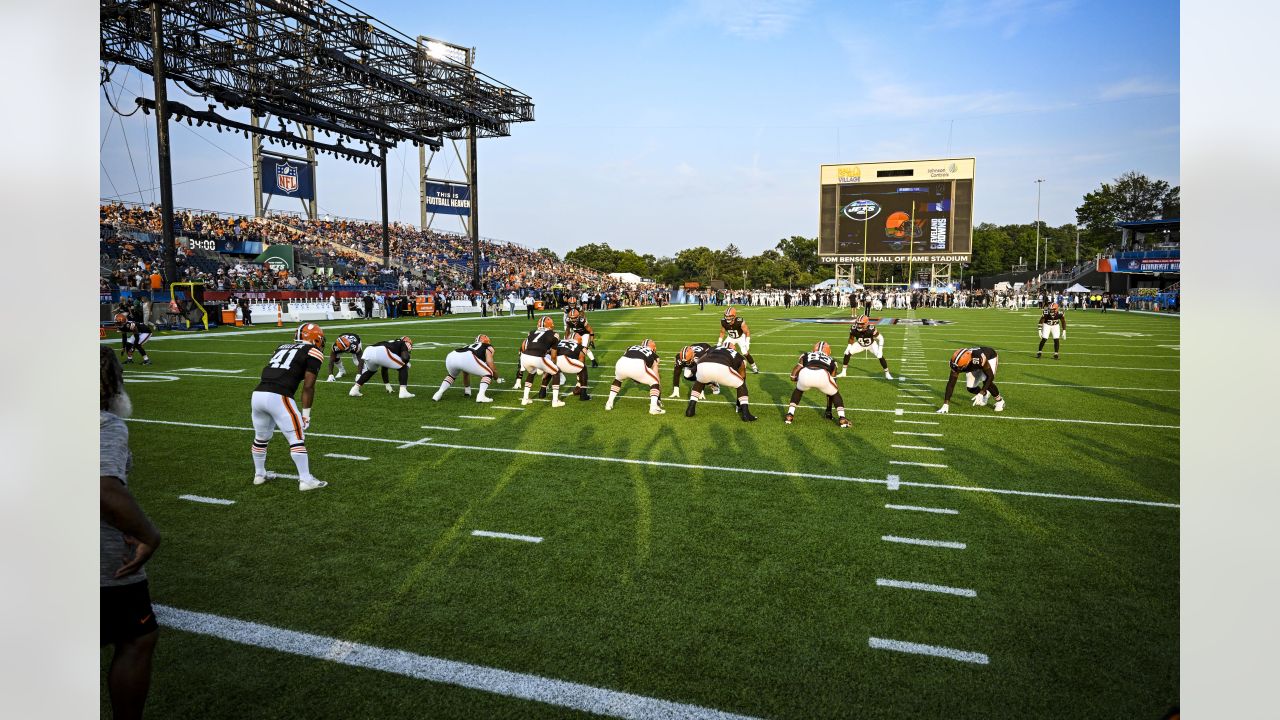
(500, 561)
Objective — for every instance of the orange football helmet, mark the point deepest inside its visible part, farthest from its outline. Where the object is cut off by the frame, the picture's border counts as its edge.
(343, 344)
(730, 313)
(309, 333)
(653, 346)
(961, 359)
(483, 339)
(864, 322)
(823, 347)
(687, 355)
(546, 323)
(407, 342)
(573, 313)
(121, 319)
(1054, 307)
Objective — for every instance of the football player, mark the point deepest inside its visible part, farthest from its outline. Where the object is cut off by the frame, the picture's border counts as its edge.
(474, 359)
(136, 334)
(385, 355)
(346, 343)
(864, 336)
(537, 355)
(979, 366)
(638, 363)
(814, 372)
(725, 366)
(273, 405)
(570, 303)
(734, 331)
(1053, 324)
(685, 368)
(571, 358)
(576, 322)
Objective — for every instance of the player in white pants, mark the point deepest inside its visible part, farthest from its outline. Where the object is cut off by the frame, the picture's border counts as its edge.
(474, 359)
(863, 336)
(384, 356)
(640, 364)
(815, 371)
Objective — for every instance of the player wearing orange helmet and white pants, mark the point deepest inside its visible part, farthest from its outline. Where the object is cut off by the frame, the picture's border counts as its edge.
(474, 359)
(815, 371)
(734, 331)
(639, 363)
(724, 366)
(571, 358)
(538, 355)
(979, 366)
(384, 356)
(272, 404)
(863, 336)
(1053, 324)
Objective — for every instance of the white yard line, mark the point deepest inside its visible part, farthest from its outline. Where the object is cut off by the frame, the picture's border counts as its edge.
(505, 407)
(917, 447)
(917, 422)
(340, 456)
(913, 402)
(929, 543)
(559, 693)
(440, 427)
(208, 500)
(478, 417)
(917, 508)
(916, 464)
(905, 585)
(904, 432)
(412, 443)
(690, 466)
(934, 650)
(506, 536)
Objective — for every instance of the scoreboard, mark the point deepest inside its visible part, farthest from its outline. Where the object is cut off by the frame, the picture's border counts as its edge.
(897, 212)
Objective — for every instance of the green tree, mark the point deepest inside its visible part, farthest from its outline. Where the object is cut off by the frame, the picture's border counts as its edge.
(1133, 196)
(548, 252)
(596, 256)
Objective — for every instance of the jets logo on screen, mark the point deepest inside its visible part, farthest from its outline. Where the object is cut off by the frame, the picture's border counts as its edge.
(861, 210)
(287, 177)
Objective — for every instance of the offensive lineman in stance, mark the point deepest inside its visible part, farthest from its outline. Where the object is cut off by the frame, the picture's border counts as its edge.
(571, 358)
(136, 334)
(686, 368)
(814, 372)
(864, 336)
(386, 355)
(538, 355)
(474, 359)
(734, 331)
(346, 343)
(638, 363)
(576, 322)
(721, 365)
(979, 365)
(1052, 325)
(273, 405)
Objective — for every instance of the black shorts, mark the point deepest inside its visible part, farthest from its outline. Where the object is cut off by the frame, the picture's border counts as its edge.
(125, 613)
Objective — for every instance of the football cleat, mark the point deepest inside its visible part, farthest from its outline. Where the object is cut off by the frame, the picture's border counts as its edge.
(608, 405)
(437, 396)
(390, 390)
(405, 394)
(147, 361)
(483, 398)
(844, 372)
(1000, 405)
(844, 423)
(583, 395)
(259, 479)
(755, 369)
(675, 392)
(788, 418)
(525, 401)
(657, 411)
(557, 403)
(745, 413)
(331, 379)
(309, 333)
(594, 364)
(828, 414)
(715, 389)
(516, 385)
(1055, 356)
(887, 375)
(311, 484)
(1038, 354)
(355, 391)
(542, 393)
(692, 409)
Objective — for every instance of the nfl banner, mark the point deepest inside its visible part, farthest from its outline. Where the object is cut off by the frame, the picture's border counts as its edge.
(287, 177)
(448, 198)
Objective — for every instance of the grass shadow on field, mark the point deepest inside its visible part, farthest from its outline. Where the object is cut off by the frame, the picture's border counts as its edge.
(1109, 395)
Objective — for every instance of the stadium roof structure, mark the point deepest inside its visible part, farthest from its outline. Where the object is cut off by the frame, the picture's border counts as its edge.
(1149, 225)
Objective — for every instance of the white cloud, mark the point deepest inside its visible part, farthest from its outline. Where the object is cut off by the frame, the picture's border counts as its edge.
(1136, 87)
(1008, 15)
(749, 19)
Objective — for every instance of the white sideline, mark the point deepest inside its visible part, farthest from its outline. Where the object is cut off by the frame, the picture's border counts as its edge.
(560, 693)
(928, 543)
(934, 650)
(209, 500)
(340, 456)
(917, 508)
(506, 536)
(905, 585)
(689, 466)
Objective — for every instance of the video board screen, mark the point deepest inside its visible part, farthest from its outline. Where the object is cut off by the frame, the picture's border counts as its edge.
(896, 214)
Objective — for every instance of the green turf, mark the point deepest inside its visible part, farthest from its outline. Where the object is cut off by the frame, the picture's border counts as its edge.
(750, 593)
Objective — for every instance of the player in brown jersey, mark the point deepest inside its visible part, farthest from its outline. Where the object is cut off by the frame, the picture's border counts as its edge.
(979, 365)
(474, 359)
(272, 405)
(639, 363)
(865, 337)
(571, 358)
(346, 344)
(814, 371)
(727, 367)
(384, 356)
(1053, 324)
(685, 367)
(538, 355)
(734, 331)
(576, 322)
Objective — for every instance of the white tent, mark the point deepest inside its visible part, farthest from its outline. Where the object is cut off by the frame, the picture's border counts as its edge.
(628, 278)
(1077, 288)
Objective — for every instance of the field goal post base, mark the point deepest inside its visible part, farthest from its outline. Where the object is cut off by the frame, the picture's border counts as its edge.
(939, 274)
(194, 297)
(846, 272)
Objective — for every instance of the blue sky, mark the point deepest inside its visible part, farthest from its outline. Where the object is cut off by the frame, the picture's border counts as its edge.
(666, 125)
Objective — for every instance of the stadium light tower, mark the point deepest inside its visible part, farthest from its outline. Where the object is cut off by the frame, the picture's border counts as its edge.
(1046, 254)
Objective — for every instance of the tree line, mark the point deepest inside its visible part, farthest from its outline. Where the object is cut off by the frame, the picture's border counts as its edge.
(794, 262)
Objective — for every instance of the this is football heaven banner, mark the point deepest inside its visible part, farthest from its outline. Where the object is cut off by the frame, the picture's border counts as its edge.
(448, 198)
(287, 177)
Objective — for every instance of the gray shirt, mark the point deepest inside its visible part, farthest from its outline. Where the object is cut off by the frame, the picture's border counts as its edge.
(115, 460)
